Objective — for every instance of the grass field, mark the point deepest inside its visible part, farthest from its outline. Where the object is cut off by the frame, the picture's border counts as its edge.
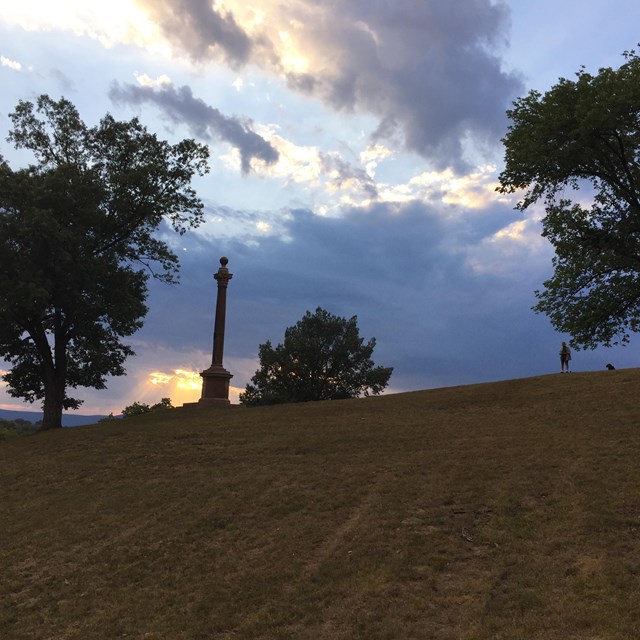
(506, 510)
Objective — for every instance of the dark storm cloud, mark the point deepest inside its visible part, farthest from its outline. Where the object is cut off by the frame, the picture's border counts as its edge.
(205, 121)
(429, 70)
(402, 269)
(205, 29)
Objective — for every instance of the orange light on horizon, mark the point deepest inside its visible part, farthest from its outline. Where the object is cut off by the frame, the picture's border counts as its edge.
(188, 380)
(157, 377)
(181, 385)
(184, 385)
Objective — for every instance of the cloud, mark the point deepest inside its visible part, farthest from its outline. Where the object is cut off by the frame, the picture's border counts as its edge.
(11, 64)
(208, 30)
(110, 23)
(409, 272)
(474, 190)
(428, 71)
(344, 174)
(205, 122)
(334, 180)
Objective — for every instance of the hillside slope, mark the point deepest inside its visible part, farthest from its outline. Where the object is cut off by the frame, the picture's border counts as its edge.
(503, 510)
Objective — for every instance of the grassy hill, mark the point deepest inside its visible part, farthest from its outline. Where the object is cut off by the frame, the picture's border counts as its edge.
(507, 510)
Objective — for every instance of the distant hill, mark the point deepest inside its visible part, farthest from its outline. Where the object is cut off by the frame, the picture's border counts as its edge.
(498, 511)
(68, 419)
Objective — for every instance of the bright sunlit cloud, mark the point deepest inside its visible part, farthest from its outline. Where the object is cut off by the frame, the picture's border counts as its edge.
(291, 58)
(111, 23)
(474, 190)
(145, 81)
(11, 64)
(181, 385)
(371, 157)
(518, 246)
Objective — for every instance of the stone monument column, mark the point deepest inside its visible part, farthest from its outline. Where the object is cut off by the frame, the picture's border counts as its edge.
(215, 379)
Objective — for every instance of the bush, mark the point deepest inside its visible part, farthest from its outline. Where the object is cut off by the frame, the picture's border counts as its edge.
(18, 427)
(138, 408)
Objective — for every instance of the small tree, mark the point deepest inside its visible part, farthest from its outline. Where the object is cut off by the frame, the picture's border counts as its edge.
(323, 357)
(77, 245)
(138, 408)
(583, 136)
(135, 409)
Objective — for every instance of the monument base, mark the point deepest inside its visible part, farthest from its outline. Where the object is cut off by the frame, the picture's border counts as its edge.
(209, 402)
(215, 388)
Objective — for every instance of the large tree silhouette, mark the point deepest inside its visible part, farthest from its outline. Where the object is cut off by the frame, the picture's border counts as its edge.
(77, 245)
(576, 149)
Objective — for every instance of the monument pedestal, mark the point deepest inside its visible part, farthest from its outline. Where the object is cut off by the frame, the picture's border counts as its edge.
(215, 387)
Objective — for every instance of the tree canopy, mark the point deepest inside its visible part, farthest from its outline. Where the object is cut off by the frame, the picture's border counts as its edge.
(322, 357)
(576, 149)
(78, 245)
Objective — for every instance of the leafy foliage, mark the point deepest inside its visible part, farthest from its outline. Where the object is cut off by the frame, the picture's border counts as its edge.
(581, 140)
(77, 245)
(138, 408)
(322, 358)
(18, 427)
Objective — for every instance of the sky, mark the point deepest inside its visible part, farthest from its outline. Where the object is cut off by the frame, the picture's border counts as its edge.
(355, 148)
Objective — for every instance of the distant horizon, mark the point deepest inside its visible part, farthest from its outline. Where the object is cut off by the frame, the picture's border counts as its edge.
(68, 419)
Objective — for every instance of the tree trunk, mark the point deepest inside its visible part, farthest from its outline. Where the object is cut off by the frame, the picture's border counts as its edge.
(53, 402)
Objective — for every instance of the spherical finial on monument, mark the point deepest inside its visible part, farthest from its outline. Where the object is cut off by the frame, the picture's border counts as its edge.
(224, 261)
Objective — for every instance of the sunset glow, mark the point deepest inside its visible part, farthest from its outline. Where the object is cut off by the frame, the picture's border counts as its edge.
(181, 385)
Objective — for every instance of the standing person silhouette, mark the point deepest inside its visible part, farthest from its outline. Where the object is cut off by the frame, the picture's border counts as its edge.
(565, 357)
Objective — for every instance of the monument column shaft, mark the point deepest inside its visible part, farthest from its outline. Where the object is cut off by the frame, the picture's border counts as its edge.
(218, 330)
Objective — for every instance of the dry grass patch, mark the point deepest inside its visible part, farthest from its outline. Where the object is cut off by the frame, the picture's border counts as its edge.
(505, 510)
